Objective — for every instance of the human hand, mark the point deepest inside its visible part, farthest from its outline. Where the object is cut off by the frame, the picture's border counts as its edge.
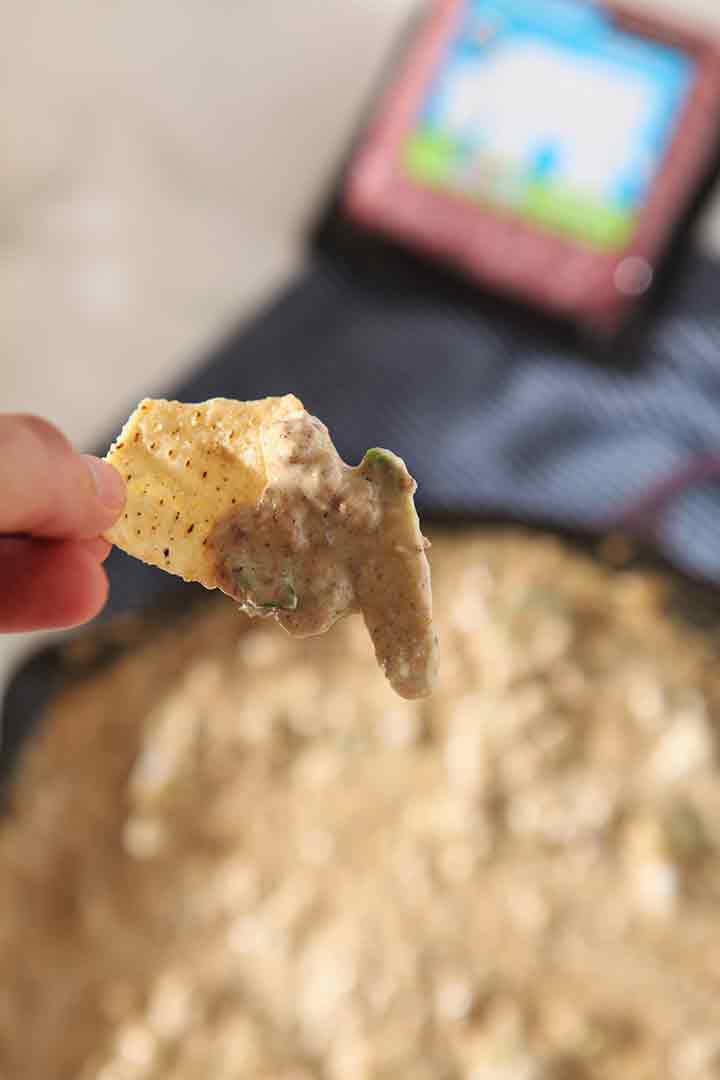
(54, 504)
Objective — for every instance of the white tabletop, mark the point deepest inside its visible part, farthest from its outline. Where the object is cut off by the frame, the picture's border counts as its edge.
(160, 162)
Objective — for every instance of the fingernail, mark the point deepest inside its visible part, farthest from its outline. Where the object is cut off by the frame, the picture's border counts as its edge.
(109, 484)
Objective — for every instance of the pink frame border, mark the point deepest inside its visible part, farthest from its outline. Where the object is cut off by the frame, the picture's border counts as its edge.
(512, 257)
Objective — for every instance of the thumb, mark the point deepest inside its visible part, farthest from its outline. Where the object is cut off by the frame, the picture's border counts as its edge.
(47, 489)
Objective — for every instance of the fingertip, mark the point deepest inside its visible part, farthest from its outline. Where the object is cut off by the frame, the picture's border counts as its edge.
(108, 484)
(80, 588)
(91, 598)
(46, 585)
(50, 491)
(99, 548)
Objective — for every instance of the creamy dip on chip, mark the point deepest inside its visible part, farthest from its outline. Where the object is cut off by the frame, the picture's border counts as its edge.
(253, 498)
(325, 540)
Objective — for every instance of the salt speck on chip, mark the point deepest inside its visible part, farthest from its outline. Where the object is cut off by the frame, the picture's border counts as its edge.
(186, 467)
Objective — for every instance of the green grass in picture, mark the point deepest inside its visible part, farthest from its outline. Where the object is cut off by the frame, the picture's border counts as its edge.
(582, 218)
(432, 158)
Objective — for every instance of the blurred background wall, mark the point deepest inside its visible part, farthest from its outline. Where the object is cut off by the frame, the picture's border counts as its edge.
(158, 164)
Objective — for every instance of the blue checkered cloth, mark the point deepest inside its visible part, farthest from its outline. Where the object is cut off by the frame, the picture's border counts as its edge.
(495, 416)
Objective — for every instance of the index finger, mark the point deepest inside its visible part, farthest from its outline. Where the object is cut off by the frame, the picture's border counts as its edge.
(49, 490)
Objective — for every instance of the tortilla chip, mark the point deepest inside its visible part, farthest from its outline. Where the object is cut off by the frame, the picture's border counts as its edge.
(185, 467)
